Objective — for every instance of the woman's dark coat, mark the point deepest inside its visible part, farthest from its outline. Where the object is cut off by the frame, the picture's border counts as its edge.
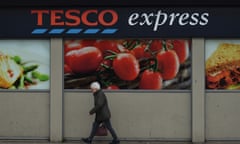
(100, 106)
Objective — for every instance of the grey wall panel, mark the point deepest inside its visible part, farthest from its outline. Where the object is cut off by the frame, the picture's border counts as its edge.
(134, 115)
(222, 116)
(198, 91)
(56, 90)
(24, 115)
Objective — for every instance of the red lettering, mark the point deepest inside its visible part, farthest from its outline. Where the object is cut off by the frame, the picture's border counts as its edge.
(56, 17)
(39, 15)
(74, 17)
(112, 22)
(85, 19)
(69, 15)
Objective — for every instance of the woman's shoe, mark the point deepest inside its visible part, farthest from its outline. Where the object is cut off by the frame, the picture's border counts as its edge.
(87, 140)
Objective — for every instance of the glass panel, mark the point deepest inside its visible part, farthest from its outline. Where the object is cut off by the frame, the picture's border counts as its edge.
(222, 64)
(24, 64)
(153, 64)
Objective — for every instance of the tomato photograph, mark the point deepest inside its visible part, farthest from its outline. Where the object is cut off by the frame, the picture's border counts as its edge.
(134, 64)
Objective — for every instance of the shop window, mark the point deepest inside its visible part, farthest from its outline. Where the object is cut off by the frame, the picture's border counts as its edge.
(136, 64)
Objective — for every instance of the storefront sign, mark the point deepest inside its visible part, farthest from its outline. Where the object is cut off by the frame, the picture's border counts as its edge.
(120, 22)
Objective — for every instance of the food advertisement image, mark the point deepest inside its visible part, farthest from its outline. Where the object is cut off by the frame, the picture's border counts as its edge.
(139, 64)
(24, 64)
(222, 64)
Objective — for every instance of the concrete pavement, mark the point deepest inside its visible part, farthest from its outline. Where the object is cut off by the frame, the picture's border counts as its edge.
(106, 142)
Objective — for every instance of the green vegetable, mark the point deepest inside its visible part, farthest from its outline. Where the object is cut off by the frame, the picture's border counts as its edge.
(21, 83)
(27, 69)
(234, 87)
(12, 87)
(25, 79)
(28, 79)
(17, 59)
(35, 74)
(43, 77)
(40, 76)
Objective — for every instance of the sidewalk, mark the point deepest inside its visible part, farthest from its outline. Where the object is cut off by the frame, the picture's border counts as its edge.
(106, 142)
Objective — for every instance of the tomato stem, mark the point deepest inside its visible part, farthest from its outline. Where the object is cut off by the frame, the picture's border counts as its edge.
(105, 83)
(164, 45)
(110, 57)
(147, 48)
(151, 66)
(105, 66)
(149, 43)
(112, 52)
(155, 65)
(170, 46)
(131, 44)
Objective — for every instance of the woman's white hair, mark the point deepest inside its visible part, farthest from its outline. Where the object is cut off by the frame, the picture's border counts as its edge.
(95, 85)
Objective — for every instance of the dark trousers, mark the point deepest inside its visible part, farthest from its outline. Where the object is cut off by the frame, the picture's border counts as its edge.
(108, 126)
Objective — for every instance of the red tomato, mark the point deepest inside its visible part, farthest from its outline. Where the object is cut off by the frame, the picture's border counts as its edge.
(112, 87)
(168, 64)
(147, 54)
(156, 46)
(126, 66)
(105, 45)
(139, 51)
(72, 46)
(182, 49)
(84, 60)
(87, 42)
(77, 44)
(150, 80)
(68, 41)
(67, 69)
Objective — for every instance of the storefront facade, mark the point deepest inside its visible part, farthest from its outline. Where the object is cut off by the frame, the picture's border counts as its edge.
(45, 94)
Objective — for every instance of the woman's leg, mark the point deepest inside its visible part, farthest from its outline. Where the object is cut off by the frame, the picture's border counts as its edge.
(88, 140)
(94, 129)
(111, 130)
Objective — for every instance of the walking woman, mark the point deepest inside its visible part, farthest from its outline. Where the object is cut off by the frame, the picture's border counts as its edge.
(102, 114)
